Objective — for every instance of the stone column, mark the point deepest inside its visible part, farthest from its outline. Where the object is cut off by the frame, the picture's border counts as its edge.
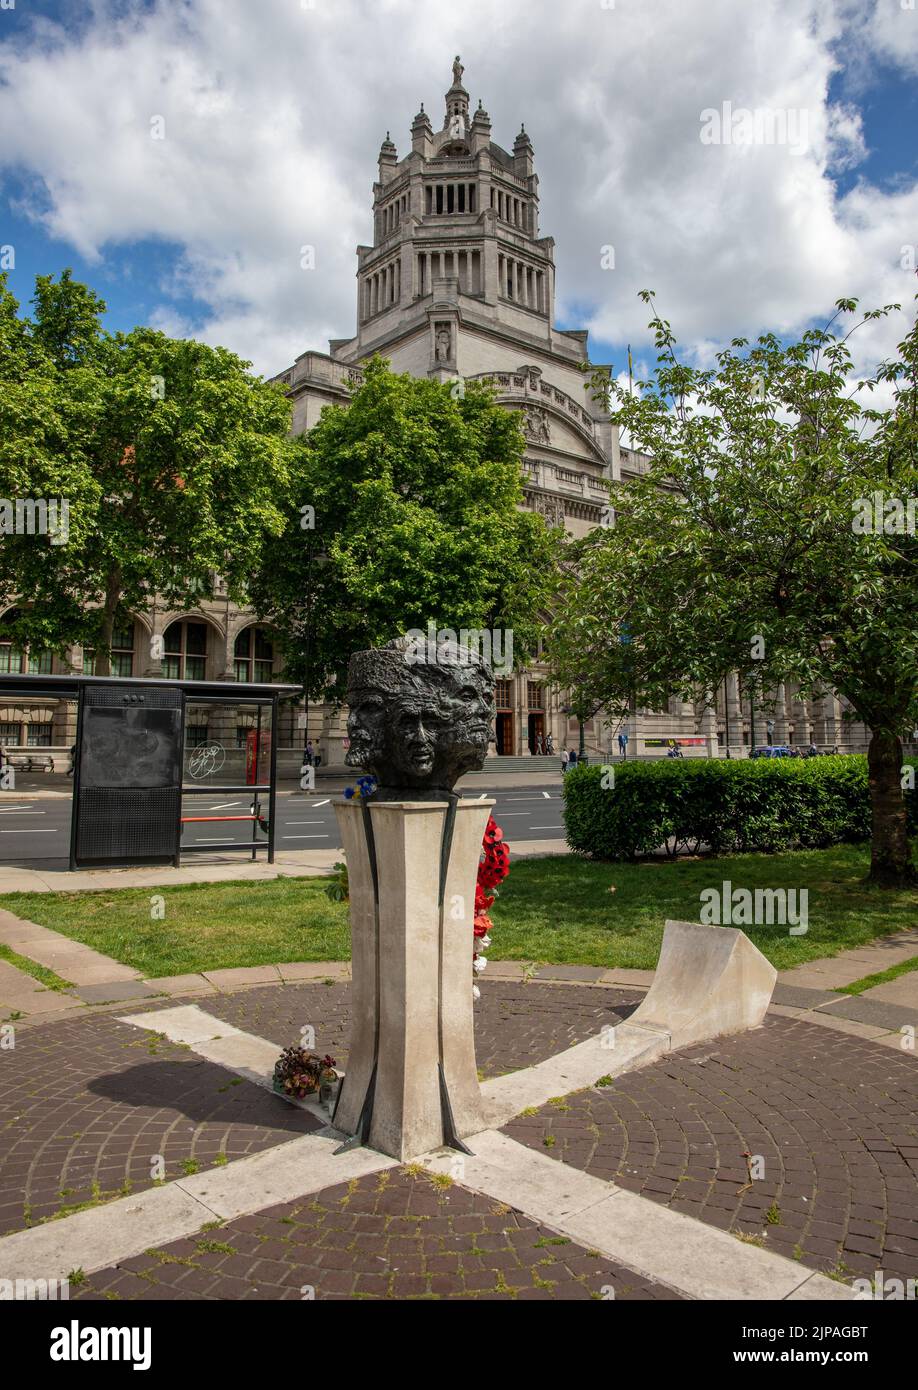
(780, 715)
(412, 974)
(801, 717)
(826, 723)
(707, 725)
(734, 713)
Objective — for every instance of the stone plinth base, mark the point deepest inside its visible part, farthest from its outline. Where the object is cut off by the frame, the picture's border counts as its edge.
(411, 1082)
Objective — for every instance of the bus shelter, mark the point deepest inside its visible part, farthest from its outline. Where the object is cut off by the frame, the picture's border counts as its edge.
(133, 763)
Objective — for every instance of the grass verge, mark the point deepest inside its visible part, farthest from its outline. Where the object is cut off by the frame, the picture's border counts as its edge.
(560, 910)
(30, 967)
(881, 978)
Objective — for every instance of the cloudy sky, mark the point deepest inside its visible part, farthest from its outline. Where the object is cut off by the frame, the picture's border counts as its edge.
(272, 113)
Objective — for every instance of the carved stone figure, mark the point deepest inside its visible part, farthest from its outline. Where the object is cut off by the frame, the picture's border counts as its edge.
(420, 716)
(443, 344)
(535, 424)
(458, 70)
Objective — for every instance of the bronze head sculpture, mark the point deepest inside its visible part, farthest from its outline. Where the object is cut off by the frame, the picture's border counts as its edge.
(420, 716)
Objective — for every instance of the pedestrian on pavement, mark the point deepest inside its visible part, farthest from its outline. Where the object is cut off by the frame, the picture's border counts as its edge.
(572, 759)
(565, 759)
(72, 760)
(549, 746)
(623, 743)
(538, 747)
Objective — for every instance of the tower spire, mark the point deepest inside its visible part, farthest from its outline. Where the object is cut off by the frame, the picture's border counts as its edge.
(457, 104)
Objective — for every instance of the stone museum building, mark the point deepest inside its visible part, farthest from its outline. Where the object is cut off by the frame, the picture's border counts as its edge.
(457, 283)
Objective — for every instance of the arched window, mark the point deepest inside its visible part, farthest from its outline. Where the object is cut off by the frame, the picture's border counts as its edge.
(20, 660)
(122, 658)
(185, 656)
(253, 655)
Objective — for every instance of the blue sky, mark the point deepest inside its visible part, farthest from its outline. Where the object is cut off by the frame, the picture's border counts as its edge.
(274, 113)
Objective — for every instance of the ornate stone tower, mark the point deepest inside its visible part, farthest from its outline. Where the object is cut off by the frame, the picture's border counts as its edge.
(455, 240)
(459, 282)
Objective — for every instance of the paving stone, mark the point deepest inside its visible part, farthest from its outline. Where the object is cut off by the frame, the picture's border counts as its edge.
(499, 1254)
(834, 1118)
(116, 991)
(570, 972)
(801, 997)
(875, 1011)
(88, 1104)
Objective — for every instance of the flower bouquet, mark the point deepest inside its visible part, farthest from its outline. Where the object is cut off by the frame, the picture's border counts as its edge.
(298, 1073)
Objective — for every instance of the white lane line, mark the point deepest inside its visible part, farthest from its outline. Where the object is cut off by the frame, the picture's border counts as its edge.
(207, 840)
(14, 811)
(321, 803)
(224, 805)
(36, 831)
(505, 815)
(546, 827)
(547, 796)
(305, 837)
(305, 822)
(15, 808)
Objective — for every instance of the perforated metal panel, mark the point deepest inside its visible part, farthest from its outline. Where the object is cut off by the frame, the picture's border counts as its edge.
(128, 801)
(117, 824)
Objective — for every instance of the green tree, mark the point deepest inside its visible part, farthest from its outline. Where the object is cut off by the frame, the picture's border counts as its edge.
(174, 461)
(746, 546)
(406, 513)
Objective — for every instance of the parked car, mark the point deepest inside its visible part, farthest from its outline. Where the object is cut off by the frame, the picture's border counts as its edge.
(772, 750)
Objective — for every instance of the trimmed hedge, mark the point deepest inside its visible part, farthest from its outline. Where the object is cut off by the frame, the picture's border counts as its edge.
(720, 805)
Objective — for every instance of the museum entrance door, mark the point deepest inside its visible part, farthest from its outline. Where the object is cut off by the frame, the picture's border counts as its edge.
(503, 734)
(536, 727)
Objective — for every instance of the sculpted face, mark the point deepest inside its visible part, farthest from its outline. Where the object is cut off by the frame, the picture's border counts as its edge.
(418, 725)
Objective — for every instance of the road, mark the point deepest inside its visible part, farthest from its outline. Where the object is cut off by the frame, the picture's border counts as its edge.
(36, 830)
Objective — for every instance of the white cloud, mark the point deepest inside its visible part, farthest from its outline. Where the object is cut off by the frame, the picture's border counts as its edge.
(274, 113)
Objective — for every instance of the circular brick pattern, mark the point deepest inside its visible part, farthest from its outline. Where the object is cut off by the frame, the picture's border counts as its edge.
(516, 1025)
(390, 1235)
(832, 1119)
(86, 1105)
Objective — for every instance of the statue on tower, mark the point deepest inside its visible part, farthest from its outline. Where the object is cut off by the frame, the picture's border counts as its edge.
(458, 70)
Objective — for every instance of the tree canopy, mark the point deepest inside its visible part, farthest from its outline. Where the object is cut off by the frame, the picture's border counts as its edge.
(173, 460)
(405, 514)
(749, 545)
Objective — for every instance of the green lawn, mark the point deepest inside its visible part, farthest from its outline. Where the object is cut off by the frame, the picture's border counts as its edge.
(557, 910)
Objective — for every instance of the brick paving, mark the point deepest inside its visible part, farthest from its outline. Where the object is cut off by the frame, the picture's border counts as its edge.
(87, 1104)
(391, 1235)
(516, 1025)
(834, 1118)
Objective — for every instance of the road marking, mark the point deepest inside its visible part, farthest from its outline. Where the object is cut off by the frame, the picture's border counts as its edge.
(322, 803)
(305, 822)
(15, 811)
(523, 798)
(547, 796)
(305, 837)
(505, 815)
(16, 808)
(546, 827)
(224, 805)
(36, 831)
(207, 840)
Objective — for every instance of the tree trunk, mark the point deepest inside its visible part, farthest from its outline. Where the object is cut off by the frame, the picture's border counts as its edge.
(891, 863)
(103, 661)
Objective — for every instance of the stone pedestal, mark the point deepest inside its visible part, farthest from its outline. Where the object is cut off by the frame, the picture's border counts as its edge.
(411, 1082)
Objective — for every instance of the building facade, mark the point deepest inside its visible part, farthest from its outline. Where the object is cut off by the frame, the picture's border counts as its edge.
(457, 285)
